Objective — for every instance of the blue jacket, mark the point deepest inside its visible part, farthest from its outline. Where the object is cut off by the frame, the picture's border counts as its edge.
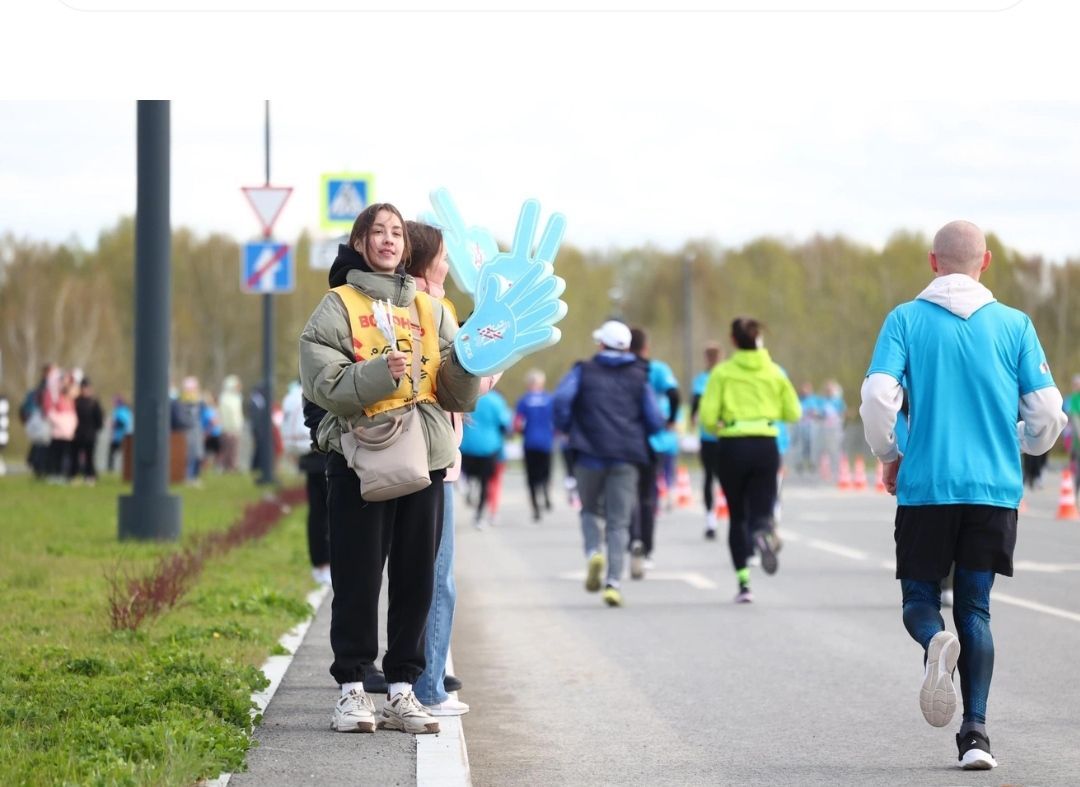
(486, 427)
(607, 408)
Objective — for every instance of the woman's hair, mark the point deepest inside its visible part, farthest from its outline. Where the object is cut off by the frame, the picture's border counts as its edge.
(425, 242)
(746, 332)
(362, 226)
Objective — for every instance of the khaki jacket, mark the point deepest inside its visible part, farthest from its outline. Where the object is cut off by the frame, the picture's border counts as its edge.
(332, 379)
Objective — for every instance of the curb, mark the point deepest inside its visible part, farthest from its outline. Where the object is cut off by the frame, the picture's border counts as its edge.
(443, 760)
(275, 667)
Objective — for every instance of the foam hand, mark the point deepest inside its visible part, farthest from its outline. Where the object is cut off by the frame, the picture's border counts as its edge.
(517, 303)
(467, 247)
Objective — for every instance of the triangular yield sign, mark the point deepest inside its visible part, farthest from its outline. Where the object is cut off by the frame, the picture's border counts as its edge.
(267, 202)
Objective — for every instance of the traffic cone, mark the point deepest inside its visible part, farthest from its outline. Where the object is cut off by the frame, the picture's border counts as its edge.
(1023, 506)
(1066, 498)
(860, 473)
(879, 486)
(684, 495)
(845, 474)
(722, 511)
(661, 488)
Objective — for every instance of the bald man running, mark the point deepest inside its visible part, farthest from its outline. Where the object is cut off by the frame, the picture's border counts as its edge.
(970, 364)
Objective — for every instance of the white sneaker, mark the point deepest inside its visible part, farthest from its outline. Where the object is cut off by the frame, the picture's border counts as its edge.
(321, 574)
(354, 712)
(404, 712)
(946, 598)
(937, 697)
(637, 560)
(448, 707)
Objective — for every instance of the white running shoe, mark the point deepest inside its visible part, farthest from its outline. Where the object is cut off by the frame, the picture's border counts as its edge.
(404, 712)
(448, 707)
(946, 598)
(321, 574)
(937, 697)
(354, 712)
(637, 560)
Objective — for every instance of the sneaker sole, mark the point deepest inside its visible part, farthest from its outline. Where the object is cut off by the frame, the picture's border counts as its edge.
(769, 562)
(428, 729)
(937, 697)
(977, 760)
(592, 578)
(360, 726)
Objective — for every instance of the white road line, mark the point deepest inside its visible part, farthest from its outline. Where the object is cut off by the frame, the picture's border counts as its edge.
(691, 578)
(1004, 598)
(837, 549)
(1035, 606)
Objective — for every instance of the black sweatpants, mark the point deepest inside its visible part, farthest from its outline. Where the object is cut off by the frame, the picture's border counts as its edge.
(643, 523)
(318, 526)
(363, 537)
(747, 467)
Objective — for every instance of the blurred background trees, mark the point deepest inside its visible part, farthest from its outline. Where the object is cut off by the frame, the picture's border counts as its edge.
(822, 299)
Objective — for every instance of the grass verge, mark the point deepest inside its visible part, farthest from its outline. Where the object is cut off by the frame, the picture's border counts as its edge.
(167, 704)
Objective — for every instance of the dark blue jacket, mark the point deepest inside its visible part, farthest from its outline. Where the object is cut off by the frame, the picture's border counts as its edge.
(607, 408)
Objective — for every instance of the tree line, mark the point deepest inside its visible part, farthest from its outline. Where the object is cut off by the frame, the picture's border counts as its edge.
(822, 300)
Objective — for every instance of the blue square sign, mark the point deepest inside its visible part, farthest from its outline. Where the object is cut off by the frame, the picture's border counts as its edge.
(344, 195)
(267, 267)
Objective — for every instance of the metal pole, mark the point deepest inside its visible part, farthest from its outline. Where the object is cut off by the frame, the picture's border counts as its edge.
(266, 474)
(150, 512)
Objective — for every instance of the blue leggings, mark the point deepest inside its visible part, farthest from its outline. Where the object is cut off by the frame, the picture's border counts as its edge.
(971, 614)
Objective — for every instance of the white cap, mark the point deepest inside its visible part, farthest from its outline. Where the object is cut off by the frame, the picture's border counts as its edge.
(613, 334)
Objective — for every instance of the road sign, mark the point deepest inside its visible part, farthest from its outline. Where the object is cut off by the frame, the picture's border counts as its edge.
(267, 202)
(267, 268)
(323, 252)
(342, 196)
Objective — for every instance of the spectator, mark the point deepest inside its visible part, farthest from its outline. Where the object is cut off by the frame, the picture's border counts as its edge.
(90, 421)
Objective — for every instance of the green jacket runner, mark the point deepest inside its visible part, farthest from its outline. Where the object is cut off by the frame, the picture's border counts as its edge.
(746, 395)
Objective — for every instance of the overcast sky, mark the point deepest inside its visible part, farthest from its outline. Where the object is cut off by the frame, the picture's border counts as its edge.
(640, 128)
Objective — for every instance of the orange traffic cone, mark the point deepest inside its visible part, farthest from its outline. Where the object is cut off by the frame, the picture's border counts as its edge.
(845, 474)
(1067, 498)
(684, 495)
(879, 486)
(860, 473)
(1023, 506)
(721, 505)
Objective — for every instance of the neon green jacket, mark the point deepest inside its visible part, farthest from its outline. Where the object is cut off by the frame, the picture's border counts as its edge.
(746, 395)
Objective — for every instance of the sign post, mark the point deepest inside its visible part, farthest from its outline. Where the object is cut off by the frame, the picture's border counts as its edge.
(267, 268)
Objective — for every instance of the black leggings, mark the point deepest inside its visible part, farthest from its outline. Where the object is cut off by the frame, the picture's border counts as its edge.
(709, 451)
(747, 467)
(482, 468)
(538, 473)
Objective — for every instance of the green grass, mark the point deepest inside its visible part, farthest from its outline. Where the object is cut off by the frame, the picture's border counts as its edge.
(167, 704)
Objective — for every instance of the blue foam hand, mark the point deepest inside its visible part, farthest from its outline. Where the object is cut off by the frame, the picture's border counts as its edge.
(517, 300)
(468, 248)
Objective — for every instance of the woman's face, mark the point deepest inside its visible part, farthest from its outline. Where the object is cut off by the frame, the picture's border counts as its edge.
(440, 267)
(384, 243)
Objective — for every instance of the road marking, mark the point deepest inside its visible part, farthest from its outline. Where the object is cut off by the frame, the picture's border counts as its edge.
(837, 549)
(1035, 606)
(691, 578)
(1046, 568)
(1004, 598)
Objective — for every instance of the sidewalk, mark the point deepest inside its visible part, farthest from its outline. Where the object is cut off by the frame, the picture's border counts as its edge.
(295, 745)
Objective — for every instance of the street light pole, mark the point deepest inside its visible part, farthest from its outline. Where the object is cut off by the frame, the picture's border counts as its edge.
(150, 512)
(688, 321)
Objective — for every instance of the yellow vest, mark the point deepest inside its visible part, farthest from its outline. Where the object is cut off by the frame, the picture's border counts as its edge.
(369, 342)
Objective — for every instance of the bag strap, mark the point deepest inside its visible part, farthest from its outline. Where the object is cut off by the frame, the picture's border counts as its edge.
(414, 319)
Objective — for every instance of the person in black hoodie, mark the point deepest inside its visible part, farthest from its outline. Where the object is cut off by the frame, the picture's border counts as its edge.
(90, 420)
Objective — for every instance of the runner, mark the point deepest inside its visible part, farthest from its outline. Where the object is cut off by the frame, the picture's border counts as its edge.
(744, 398)
(709, 442)
(970, 365)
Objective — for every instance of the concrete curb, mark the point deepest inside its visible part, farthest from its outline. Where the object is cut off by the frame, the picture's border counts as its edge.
(443, 760)
(275, 667)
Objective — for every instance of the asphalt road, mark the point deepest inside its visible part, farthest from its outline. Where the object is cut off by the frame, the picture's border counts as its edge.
(815, 683)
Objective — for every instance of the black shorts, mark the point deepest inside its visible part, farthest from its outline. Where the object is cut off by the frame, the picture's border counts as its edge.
(929, 539)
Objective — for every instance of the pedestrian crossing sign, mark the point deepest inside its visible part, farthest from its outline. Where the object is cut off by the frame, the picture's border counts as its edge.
(342, 196)
(267, 268)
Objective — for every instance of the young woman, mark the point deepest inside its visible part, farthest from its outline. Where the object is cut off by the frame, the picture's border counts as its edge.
(428, 266)
(744, 398)
(353, 372)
